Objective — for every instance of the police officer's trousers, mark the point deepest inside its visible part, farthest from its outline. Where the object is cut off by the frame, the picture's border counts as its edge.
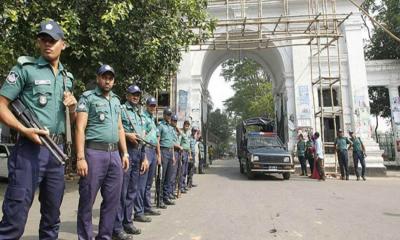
(174, 173)
(185, 165)
(32, 166)
(104, 173)
(343, 162)
(359, 156)
(191, 170)
(129, 190)
(152, 158)
(303, 165)
(141, 189)
(167, 171)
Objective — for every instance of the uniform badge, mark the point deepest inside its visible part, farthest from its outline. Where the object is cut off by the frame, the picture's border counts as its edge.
(102, 117)
(81, 106)
(43, 100)
(49, 26)
(12, 77)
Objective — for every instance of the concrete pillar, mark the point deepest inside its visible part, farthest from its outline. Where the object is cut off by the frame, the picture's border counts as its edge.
(358, 95)
(395, 107)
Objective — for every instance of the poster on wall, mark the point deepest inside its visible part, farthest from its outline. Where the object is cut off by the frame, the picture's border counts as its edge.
(182, 104)
(304, 103)
(396, 110)
(362, 117)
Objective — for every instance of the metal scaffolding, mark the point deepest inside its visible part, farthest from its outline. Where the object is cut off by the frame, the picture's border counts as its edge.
(319, 29)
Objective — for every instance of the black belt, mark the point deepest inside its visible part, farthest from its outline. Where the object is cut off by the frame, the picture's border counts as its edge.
(166, 148)
(151, 146)
(107, 147)
(134, 146)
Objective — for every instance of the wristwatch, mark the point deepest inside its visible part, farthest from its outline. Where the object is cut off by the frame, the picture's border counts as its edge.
(126, 155)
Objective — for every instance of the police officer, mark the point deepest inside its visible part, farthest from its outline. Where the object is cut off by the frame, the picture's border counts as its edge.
(341, 149)
(301, 149)
(99, 135)
(132, 188)
(152, 153)
(177, 153)
(44, 86)
(186, 154)
(191, 163)
(358, 155)
(166, 140)
(202, 161)
(309, 155)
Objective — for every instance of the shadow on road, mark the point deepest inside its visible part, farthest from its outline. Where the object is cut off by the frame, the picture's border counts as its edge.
(229, 168)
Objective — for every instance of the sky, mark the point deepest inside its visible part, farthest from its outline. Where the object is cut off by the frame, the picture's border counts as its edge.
(219, 89)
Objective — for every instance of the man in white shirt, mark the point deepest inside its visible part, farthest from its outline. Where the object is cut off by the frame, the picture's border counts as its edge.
(319, 156)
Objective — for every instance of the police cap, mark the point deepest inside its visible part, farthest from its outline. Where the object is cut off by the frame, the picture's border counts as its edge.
(151, 101)
(52, 29)
(174, 117)
(105, 68)
(167, 112)
(133, 89)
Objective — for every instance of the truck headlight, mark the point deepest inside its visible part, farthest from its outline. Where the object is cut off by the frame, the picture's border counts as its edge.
(254, 158)
(286, 159)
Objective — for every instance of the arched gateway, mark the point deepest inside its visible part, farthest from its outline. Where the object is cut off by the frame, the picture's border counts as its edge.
(314, 52)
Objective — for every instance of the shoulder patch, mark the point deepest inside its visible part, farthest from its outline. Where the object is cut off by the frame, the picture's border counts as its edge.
(87, 93)
(70, 75)
(12, 77)
(26, 60)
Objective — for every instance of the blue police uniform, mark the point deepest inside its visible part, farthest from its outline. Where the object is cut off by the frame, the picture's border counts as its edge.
(132, 188)
(30, 165)
(166, 146)
(104, 163)
(152, 135)
(185, 143)
(191, 163)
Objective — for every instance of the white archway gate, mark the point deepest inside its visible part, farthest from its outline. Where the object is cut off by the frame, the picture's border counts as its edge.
(314, 52)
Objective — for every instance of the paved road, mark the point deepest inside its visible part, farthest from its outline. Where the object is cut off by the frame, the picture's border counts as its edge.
(228, 206)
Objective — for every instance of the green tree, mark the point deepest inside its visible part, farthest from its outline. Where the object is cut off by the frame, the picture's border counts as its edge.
(219, 125)
(379, 104)
(253, 89)
(142, 39)
(381, 45)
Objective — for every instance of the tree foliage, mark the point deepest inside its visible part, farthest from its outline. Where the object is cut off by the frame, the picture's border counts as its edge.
(219, 125)
(141, 39)
(379, 103)
(381, 45)
(253, 89)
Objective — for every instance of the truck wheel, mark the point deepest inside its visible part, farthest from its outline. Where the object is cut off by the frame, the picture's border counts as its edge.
(286, 175)
(249, 174)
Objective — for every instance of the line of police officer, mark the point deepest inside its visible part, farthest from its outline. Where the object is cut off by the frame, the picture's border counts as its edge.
(118, 147)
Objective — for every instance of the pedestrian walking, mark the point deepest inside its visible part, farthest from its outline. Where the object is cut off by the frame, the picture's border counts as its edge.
(301, 148)
(319, 156)
(45, 87)
(152, 153)
(100, 138)
(341, 143)
(358, 155)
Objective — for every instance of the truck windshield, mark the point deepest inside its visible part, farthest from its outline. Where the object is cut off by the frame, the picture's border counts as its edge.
(262, 141)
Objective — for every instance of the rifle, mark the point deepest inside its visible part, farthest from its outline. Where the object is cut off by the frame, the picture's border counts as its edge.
(28, 119)
(68, 134)
(134, 129)
(159, 182)
(179, 175)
